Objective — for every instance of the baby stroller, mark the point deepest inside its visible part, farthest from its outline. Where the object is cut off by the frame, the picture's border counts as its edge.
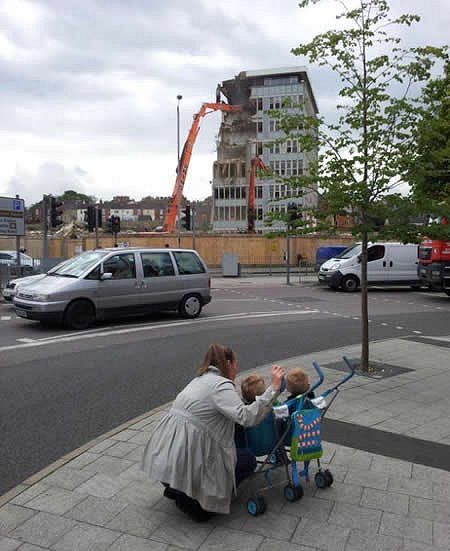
(291, 435)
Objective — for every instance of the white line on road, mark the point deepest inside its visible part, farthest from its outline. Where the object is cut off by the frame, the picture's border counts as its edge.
(417, 332)
(92, 335)
(385, 324)
(26, 340)
(399, 327)
(4, 318)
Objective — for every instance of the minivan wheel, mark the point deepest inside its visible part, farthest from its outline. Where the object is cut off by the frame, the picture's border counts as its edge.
(80, 314)
(190, 306)
(350, 283)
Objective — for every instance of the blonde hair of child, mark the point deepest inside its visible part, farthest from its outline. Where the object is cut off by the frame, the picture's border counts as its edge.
(297, 381)
(251, 387)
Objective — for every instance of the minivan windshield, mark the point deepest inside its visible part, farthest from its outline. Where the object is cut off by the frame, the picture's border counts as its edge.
(351, 251)
(77, 265)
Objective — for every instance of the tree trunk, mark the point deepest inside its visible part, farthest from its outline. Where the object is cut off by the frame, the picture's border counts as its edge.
(364, 366)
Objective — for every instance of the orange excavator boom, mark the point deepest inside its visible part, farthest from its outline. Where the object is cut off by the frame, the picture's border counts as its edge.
(183, 165)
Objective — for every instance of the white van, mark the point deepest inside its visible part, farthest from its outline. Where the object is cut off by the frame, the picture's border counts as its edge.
(387, 264)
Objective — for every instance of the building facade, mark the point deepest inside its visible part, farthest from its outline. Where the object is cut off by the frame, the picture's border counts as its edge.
(252, 132)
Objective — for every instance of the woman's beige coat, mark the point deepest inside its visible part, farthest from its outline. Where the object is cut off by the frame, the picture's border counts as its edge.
(192, 449)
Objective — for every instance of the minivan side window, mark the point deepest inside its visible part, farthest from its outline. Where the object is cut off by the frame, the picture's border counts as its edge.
(157, 264)
(121, 266)
(188, 263)
(375, 253)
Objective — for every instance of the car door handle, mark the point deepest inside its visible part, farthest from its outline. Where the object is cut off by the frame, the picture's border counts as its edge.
(384, 263)
(391, 264)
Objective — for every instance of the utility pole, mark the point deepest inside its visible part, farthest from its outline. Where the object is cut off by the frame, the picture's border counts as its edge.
(179, 98)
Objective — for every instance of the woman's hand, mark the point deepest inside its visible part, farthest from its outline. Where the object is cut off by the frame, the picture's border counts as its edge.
(277, 377)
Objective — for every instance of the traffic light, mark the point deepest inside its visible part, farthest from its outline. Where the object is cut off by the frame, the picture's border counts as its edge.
(89, 217)
(115, 224)
(56, 212)
(186, 217)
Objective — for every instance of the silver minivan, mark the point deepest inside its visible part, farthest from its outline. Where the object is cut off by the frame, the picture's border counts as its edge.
(118, 282)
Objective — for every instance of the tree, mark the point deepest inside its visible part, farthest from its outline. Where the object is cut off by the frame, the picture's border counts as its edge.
(362, 154)
(429, 171)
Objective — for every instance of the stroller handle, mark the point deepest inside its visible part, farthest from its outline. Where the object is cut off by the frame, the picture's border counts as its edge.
(351, 369)
(320, 374)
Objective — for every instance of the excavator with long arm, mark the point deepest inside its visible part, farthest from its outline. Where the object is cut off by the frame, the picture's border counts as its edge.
(183, 165)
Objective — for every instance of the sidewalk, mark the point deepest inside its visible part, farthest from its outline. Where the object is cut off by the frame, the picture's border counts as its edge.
(97, 499)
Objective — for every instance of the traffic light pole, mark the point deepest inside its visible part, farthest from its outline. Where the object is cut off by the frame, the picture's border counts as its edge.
(45, 200)
(193, 225)
(288, 257)
(96, 227)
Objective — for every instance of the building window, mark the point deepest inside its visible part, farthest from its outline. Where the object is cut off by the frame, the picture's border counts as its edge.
(259, 213)
(238, 193)
(259, 192)
(260, 126)
(227, 193)
(221, 193)
(259, 149)
(243, 170)
(243, 213)
(232, 193)
(259, 104)
(273, 126)
(216, 193)
(282, 168)
(243, 192)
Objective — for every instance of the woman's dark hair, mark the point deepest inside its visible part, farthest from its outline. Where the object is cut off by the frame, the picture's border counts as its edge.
(218, 356)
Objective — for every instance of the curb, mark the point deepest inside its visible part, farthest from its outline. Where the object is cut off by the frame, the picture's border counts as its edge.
(37, 477)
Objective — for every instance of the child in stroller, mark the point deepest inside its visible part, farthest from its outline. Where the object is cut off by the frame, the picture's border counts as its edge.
(290, 435)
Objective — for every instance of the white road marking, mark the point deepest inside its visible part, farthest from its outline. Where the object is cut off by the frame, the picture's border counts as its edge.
(235, 299)
(26, 340)
(91, 335)
(355, 318)
(5, 318)
(399, 327)
(385, 324)
(417, 332)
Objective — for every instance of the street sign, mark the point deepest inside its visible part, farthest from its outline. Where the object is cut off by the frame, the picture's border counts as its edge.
(12, 212)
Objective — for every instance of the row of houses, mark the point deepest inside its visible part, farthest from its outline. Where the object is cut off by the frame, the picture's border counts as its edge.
(146, 214)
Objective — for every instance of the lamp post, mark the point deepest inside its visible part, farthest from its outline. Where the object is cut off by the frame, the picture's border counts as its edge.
(179, 98)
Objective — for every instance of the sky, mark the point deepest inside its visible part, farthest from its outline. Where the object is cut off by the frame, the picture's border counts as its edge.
(88, 88)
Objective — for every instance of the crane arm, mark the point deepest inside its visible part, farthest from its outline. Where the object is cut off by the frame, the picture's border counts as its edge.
(183, 165)
(256, 164)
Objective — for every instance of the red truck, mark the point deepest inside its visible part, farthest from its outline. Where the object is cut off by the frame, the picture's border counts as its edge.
(434, 264)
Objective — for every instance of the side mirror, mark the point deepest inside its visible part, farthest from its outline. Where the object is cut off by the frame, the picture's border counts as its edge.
(359, 259)
(105, 276)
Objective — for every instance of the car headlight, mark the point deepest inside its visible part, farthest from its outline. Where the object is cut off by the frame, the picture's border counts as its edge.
(40, 297)
(334, 266)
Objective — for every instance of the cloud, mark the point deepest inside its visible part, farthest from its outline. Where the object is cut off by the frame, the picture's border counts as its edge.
(94, 84)
(51, 178)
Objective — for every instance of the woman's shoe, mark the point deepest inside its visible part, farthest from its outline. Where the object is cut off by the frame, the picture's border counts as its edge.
(192, 508)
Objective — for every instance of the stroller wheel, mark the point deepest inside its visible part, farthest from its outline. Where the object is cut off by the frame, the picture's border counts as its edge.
(328, 476)
(321, 480)
(293, 493)
(256, 506)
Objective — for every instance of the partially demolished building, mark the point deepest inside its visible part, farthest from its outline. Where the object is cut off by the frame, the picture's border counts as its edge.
(251, 132)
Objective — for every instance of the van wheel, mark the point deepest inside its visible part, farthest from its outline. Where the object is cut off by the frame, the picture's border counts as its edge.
(190, 307)
(350, 283)
(80, 314)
